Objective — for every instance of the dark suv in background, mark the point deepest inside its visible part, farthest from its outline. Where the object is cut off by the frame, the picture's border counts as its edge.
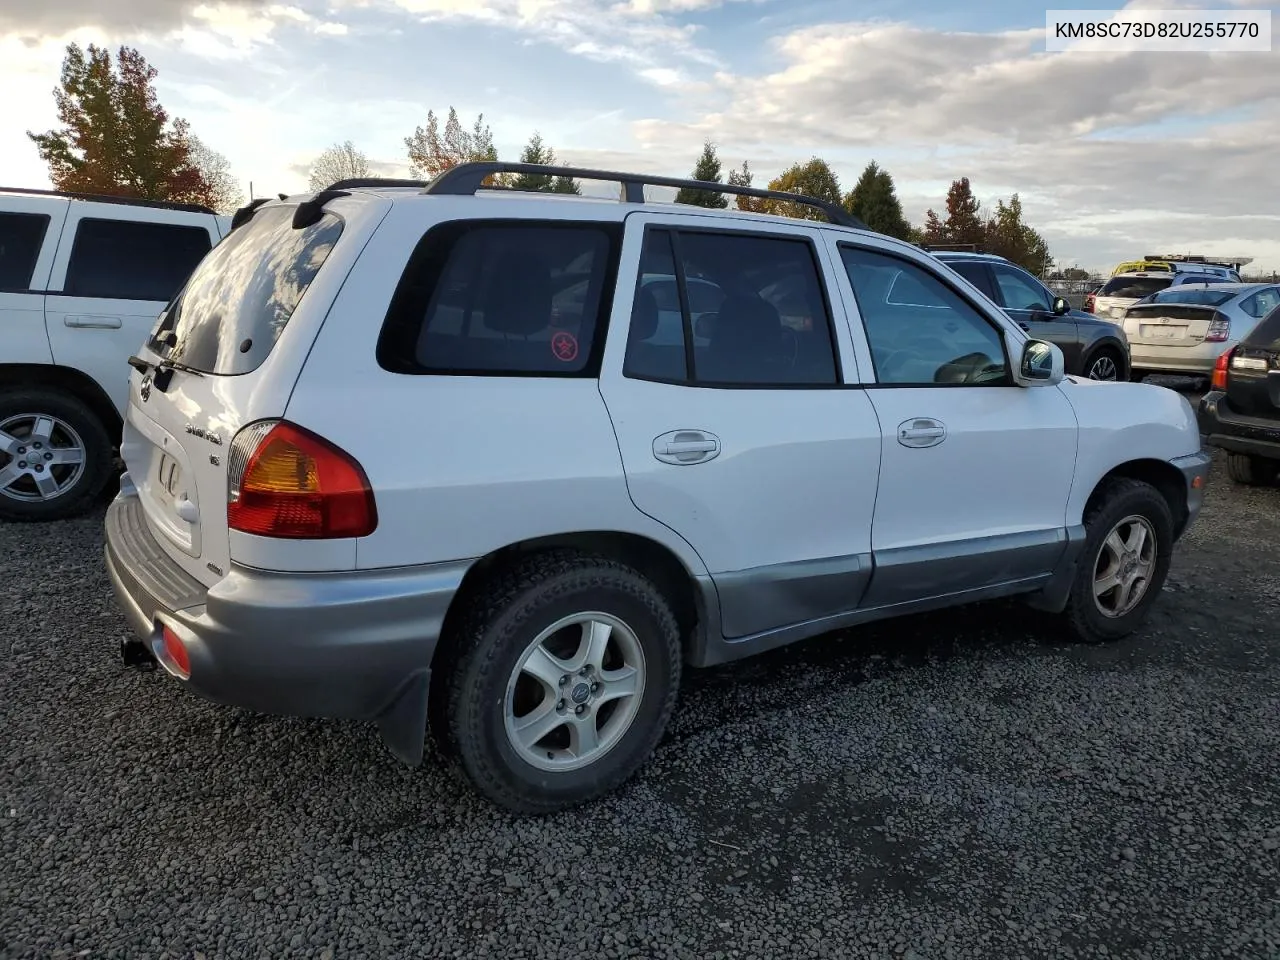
(1093, 348)
(1241, 413)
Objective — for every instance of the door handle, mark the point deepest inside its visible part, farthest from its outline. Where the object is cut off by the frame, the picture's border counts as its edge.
(921, 432)
(683, 447)
(92, 323)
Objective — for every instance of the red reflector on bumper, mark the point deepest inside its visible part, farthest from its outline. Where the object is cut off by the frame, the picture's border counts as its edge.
(176, 652)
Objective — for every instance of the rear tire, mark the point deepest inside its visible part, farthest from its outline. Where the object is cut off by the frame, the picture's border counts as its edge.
(1251, 471)
(42, 433)
(1137, 376)
(1124, 563)
(514, 660)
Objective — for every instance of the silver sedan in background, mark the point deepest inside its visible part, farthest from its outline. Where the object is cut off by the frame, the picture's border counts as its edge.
(1183, 330)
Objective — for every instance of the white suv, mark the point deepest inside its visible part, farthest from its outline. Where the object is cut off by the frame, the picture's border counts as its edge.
(405, 453)
(82, 280)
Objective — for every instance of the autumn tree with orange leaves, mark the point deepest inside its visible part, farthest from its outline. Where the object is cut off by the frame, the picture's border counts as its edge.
(115, 137)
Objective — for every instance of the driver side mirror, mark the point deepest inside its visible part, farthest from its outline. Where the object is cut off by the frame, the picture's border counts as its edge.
(1060, 306)
(1041, 364)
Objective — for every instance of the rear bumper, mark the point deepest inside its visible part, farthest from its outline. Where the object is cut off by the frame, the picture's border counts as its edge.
(1197, 360)
(1223, 427)
(357, 644)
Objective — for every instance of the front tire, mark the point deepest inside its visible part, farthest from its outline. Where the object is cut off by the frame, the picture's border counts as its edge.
(1106, 365)
(1124, 563)
(1249, 470)
(562, 680)
(55, 455)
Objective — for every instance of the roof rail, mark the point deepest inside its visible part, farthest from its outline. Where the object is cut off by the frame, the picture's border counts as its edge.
(953, 247)
(354, 182)
(105, 198)
(466, 178)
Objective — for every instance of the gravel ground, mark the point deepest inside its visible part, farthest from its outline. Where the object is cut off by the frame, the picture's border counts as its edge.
(958, 785)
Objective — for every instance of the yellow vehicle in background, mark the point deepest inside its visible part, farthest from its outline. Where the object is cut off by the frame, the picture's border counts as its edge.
(1143, 266)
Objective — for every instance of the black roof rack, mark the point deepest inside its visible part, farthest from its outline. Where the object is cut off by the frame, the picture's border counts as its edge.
(354, 182)
(952, 247)
(104, 198)
(466, 178)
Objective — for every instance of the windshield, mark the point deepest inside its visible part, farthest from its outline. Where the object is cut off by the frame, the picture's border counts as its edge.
(1188, 294)
(238, 301)
(1134, 287)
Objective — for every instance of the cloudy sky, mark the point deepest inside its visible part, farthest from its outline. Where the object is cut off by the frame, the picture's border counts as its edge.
(1114, 154)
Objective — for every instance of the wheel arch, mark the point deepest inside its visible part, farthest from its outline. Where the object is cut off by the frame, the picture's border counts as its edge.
(648, 556)
(77, 383)
(1162, 475)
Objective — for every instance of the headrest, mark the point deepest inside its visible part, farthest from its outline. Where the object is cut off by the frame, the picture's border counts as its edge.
(644, 315)
(519, 302)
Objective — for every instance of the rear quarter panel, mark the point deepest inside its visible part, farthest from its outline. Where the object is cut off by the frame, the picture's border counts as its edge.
(1121, 423)
(461, 466)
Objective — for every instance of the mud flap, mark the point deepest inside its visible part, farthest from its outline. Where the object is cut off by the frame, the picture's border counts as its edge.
(403, 724)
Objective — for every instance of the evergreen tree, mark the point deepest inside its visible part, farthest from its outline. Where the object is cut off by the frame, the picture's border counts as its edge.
(708, 170)
(874, 201)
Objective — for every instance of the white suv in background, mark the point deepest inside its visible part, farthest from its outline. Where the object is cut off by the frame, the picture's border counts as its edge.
(435, 453)
(82, 280)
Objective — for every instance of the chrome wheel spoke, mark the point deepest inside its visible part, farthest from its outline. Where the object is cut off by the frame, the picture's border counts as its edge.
(584, 737)
(9, 474)
(616, 684)
(1137, 538)
(66, 456)
(1105, 585)
(42, 429)
(8, 442)
(542, 665)
(1115, 544)
(46, 483)
(595, 641)
(532, 727)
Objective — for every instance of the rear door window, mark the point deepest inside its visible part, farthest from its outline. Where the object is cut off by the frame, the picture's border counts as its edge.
(133, 260)
(240, 298)
(1133, 288)
(504, 298)
(21, 235)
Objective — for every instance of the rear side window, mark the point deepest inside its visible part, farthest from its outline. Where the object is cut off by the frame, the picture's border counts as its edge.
(503, 298)
(237, 303)
(754, 312)
(1133, 287)
(128, 260)
(1262, 302)
(21, 235)
(976, 273)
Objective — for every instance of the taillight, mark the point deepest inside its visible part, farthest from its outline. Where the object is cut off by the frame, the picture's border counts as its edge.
(1220, 370)
(1088, 303)
(284, 481)
(1219, 329)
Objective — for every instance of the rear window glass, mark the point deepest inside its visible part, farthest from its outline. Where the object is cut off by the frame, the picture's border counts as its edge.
(502, 298)
(20, 237)
(133, 260)
(1209, 298)
(237, 303)
(1133, 287)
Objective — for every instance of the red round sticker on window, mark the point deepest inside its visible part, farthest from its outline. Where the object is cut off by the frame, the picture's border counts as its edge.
(565, 346)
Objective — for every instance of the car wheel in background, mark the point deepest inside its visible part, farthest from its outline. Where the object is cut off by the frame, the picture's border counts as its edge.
(1250, 470)
(55, 455)
(1105, 365)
